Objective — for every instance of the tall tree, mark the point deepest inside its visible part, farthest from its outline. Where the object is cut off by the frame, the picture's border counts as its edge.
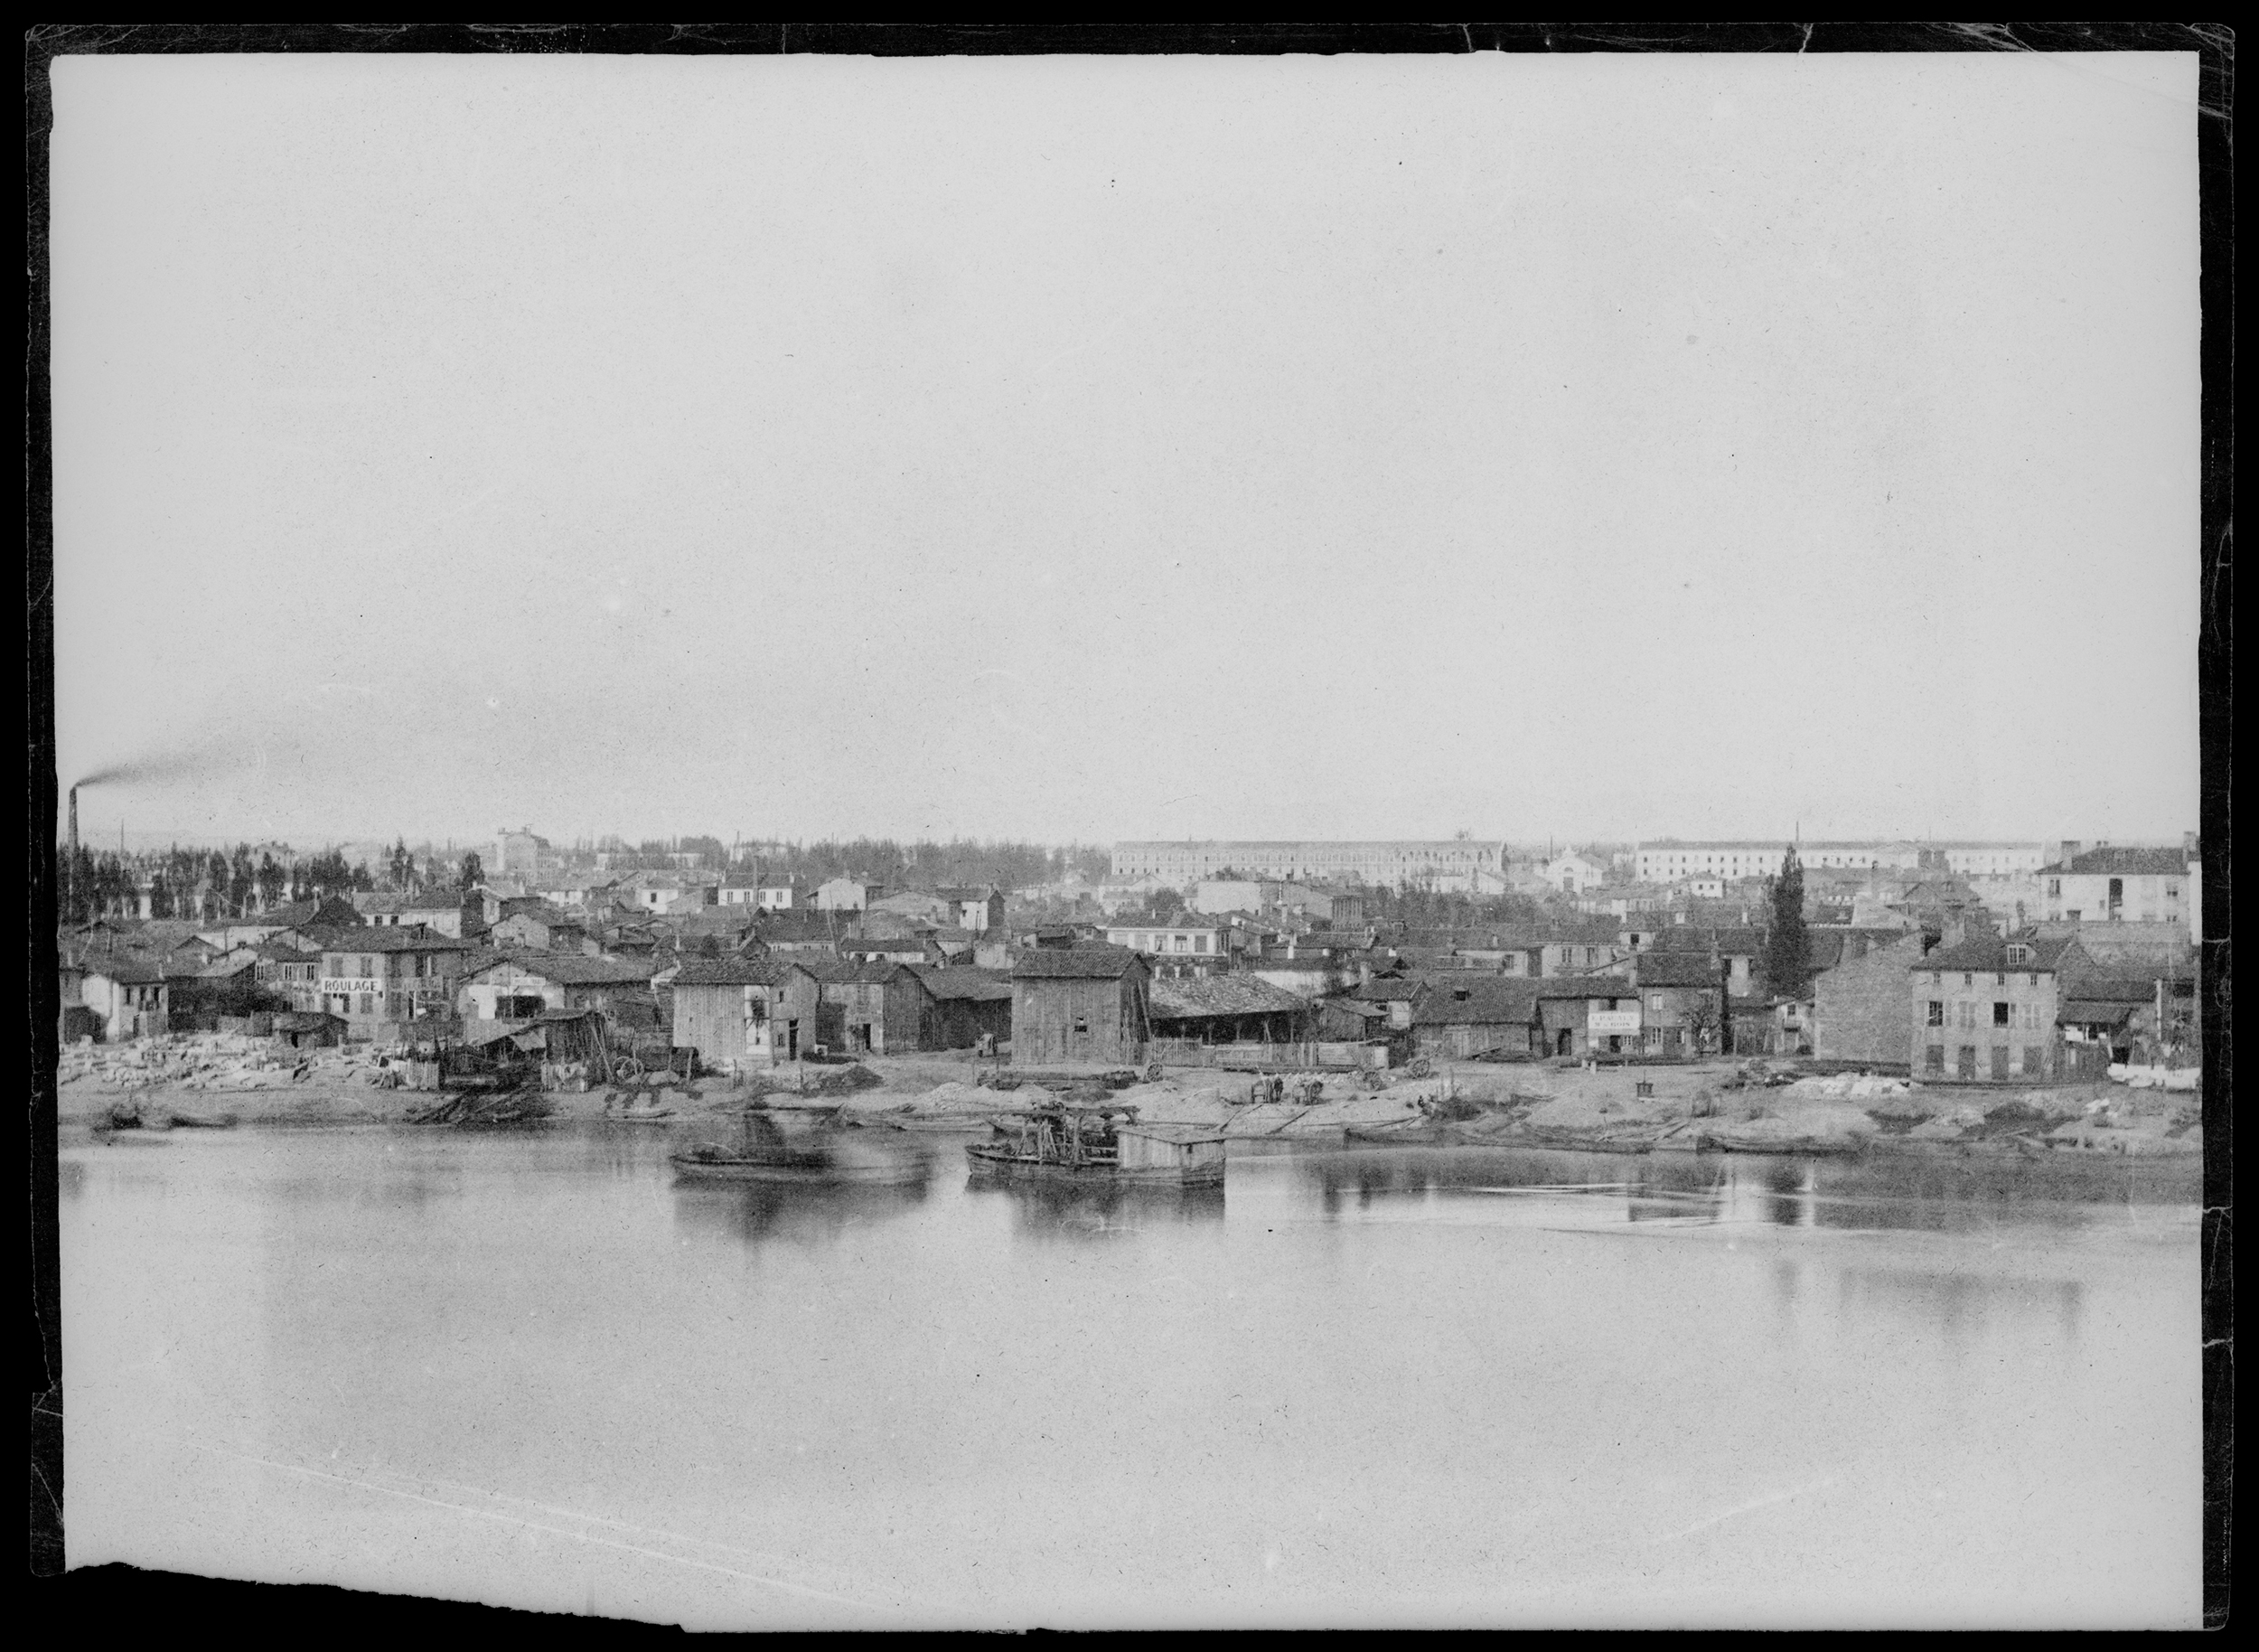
(472, 873)
(270, 880)
(242, 880)
(1787, 945)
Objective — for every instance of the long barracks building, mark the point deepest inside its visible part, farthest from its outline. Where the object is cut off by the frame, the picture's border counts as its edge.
(1452, 863)
(1670, 860)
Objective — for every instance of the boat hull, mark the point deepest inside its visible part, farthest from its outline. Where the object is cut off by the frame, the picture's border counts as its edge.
(1011, 1166)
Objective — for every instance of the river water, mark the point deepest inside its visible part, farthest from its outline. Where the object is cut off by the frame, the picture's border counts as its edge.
(1384, 1385)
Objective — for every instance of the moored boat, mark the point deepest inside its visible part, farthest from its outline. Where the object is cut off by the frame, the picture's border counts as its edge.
(784, 1144)
(1100, 1145)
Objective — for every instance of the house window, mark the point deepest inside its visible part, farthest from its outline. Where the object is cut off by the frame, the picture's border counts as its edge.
(2032, 980)
(367, 1003)
(1937, 1013)
(2018, 954)
(1934, 1059)
(1968, 980)
(2000, 1015)
(1082, 1024)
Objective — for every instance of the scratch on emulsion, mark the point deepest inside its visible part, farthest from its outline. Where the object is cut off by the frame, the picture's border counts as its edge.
(364, 1483)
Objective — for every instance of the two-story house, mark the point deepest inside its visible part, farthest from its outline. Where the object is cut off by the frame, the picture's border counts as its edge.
(1986, 1009)
(381, 981)
(2107, 884)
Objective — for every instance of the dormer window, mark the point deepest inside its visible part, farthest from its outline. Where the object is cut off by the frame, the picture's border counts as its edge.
(2019, 955)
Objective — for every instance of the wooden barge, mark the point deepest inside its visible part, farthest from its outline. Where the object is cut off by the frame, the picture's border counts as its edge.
(1099, 1146)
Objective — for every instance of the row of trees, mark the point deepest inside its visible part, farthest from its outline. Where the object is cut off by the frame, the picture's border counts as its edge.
(204, 885)
(1412, 908)
(959, 861)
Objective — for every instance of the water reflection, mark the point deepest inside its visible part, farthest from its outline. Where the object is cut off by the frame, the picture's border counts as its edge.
(1913, 1194)
(814, 1211)
(1048, 1210)
(1956, 1301)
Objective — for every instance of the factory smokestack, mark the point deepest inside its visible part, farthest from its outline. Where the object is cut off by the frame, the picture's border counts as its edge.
(70, 866)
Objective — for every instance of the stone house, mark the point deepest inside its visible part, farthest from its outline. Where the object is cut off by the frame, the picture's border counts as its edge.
(1985, 1010)
(1859, 1002)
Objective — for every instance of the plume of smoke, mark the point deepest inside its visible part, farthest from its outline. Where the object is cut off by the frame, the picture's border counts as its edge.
(208, 758)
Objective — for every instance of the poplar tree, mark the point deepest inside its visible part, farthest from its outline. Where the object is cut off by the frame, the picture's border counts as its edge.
(1787, 945)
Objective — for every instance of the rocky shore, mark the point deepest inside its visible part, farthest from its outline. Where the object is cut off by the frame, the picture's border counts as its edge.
(1713, 1106)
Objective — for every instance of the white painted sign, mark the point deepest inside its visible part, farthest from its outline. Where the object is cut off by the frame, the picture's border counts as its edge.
(1610, 1022)
(348, 983)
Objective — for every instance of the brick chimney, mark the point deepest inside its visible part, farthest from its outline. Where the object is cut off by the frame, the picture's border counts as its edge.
(2066, 850)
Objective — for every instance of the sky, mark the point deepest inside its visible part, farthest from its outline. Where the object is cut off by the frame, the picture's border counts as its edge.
(1080, 449)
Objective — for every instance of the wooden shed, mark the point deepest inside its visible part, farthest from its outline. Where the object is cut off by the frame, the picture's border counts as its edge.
(967, 1008)
(740, 1009)
(1195, 1154)
(1080, 1005)
(868, 1006)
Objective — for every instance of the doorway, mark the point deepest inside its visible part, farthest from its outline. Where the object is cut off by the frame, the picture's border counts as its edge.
(792, 1040)
(1562, 1044)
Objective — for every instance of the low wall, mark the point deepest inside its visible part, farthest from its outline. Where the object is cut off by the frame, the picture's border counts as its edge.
(1267, 1057)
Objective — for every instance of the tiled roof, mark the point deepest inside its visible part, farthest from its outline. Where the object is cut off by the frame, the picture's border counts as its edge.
(403, 940)
(572, 969)
(842, 971)
(1074, 963)
(1585, 986)
(1677, 969)
(129, 972)
(2122, 863)
(1990, 952)
(1178, 998)
(1386, 990)
(979, 986)
(1480, 1000)
(736, 973)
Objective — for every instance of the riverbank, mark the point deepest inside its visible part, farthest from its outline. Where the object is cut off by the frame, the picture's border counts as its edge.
(1716, 1105)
